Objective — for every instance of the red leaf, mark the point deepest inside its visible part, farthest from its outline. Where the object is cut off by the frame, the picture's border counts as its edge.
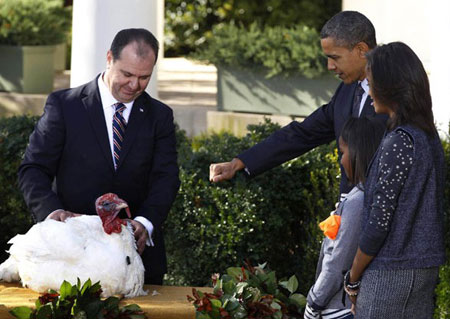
(244, 276)
(47, 297)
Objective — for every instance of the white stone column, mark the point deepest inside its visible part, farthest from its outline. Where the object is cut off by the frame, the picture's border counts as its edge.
(96, 22)
(439, 67)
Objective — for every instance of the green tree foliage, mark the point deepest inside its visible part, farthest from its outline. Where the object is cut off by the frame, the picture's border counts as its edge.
(14, 215)
(189, 23)
(34, 22)
(274, 50)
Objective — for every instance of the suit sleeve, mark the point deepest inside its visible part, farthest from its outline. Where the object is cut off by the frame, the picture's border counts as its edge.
(40, 163)
(292, 140)
(164, 181)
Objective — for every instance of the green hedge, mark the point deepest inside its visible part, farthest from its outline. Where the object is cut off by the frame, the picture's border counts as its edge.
(211, 227)
(189, 23)
(14, 216)
(34, 22)
(275, 50)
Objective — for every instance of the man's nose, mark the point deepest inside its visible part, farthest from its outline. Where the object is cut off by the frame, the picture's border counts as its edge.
(134, 84)
(330, 64)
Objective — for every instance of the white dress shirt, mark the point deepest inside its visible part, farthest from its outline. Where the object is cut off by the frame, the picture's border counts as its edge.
(365, 87)
(108, 102)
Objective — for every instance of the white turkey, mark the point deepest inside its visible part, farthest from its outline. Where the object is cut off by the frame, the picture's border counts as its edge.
(101, 248)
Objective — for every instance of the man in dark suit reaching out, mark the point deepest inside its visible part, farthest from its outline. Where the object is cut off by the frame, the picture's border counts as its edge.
(108, 136)
(345, 40)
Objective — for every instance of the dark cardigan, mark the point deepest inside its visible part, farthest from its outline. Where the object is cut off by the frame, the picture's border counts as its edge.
(413, 235)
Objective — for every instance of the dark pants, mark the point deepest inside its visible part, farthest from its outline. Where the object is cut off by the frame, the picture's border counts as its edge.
(154, 280)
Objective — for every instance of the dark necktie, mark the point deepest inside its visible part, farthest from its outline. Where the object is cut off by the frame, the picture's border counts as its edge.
(119, 126)
(357, 100)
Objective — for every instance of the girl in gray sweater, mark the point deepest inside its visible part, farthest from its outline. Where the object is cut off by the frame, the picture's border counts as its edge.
(358, 142)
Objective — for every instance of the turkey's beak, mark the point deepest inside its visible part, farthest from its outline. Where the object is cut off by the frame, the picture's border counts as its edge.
(121, 206)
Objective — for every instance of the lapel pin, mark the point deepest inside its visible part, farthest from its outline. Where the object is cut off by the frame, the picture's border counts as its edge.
(141, 109)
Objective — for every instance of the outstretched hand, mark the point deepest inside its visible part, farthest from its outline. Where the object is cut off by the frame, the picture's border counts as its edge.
(61, 215)
(224, 171)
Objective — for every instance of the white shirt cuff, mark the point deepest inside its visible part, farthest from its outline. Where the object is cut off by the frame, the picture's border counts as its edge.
(149, 226)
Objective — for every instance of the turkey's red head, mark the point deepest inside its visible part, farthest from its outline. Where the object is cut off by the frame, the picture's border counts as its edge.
(108, 207)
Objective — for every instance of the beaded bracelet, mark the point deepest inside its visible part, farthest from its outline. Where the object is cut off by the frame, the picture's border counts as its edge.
(350, 293)
(351, 285)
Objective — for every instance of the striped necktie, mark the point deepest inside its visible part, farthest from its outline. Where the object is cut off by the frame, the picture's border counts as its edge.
(119, 126)
(357, 100)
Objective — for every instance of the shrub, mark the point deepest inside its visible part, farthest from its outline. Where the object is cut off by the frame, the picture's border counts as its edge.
(33, 22)
(275, 50)
(212, 227)
(14, 215)
(188, 23)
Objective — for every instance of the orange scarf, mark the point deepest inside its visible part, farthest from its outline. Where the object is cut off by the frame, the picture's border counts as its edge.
(330, 226)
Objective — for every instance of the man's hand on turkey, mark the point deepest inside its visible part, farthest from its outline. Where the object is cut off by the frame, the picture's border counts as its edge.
(140, 234)
(61, 215)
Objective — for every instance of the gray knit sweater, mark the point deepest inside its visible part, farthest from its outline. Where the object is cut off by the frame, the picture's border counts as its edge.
(336, 256)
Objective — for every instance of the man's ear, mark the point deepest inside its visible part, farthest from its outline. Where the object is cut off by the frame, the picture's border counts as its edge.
(109, 59)
(362, 48)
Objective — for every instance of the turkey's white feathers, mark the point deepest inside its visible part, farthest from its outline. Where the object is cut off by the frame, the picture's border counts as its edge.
(51, 252)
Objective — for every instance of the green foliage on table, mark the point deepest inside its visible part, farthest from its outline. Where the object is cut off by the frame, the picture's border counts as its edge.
(33, 22)
(275, 50)
(251, 292)
(188, 23)
(78, 302)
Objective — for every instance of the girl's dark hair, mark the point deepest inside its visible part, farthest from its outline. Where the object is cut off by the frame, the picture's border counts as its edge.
(362, 136)
(399, 81)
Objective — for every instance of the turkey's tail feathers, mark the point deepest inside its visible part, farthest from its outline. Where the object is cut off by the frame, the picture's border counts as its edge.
(9, 271)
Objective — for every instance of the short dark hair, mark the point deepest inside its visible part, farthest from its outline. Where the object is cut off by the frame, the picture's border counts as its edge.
(142, 37)
(362, 136)
(398, 81)
(348, 28)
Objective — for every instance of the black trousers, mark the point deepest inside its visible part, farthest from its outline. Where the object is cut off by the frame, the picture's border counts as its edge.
(153, 279)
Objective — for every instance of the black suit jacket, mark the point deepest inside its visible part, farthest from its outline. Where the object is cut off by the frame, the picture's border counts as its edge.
(320, 127)
(68, 162)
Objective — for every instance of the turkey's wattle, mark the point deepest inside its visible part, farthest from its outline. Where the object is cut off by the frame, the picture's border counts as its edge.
(108, 207)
